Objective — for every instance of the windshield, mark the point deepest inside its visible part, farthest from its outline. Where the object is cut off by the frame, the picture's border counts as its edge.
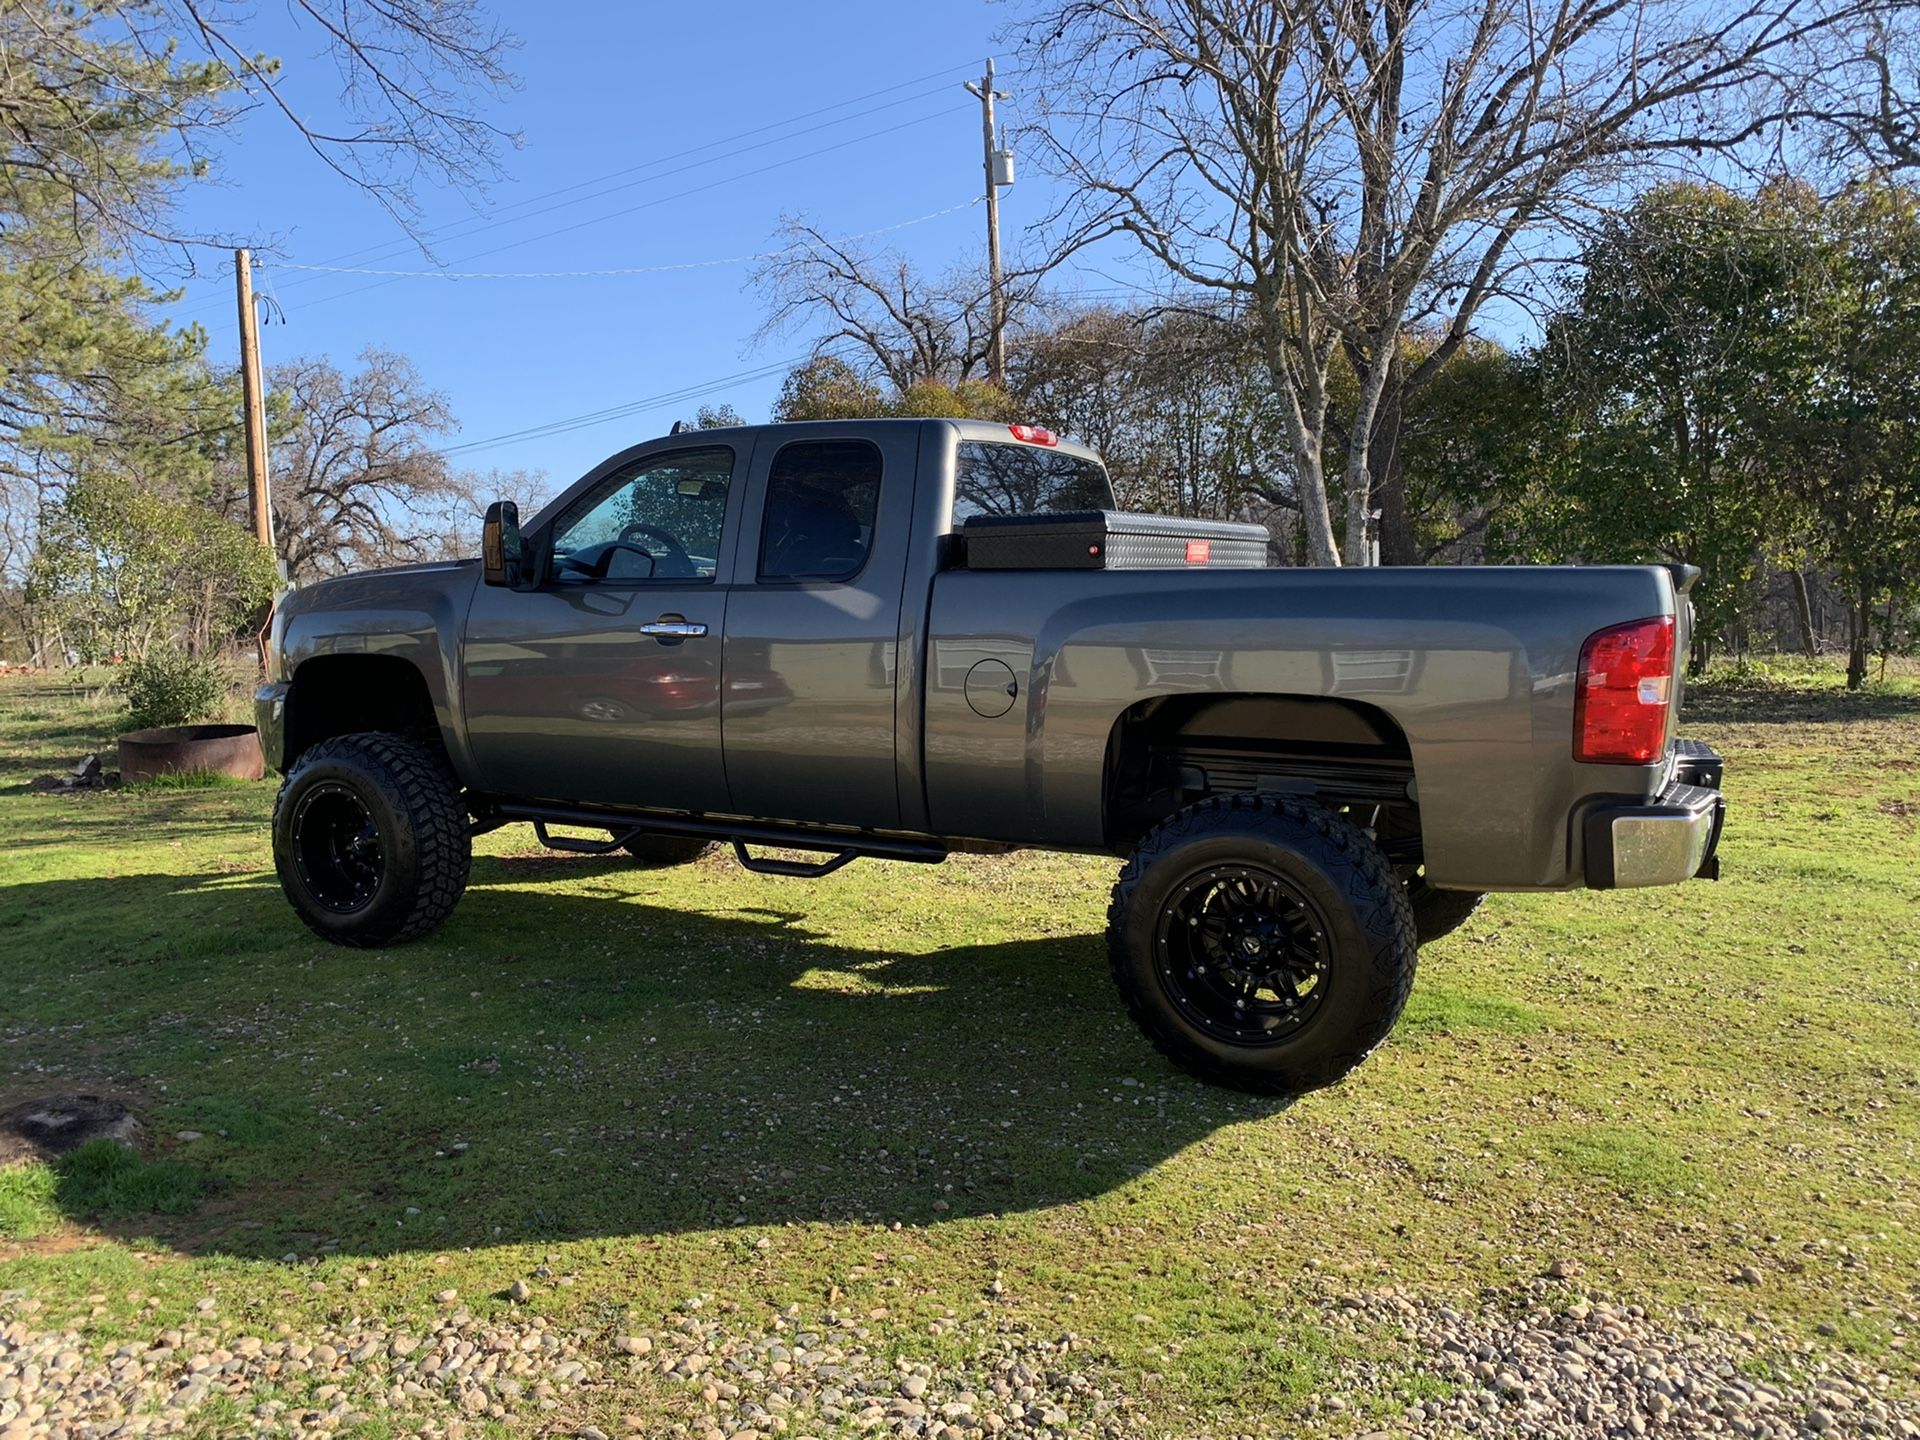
(992, 479)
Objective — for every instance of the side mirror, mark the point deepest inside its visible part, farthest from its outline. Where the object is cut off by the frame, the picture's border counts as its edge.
(500, 544)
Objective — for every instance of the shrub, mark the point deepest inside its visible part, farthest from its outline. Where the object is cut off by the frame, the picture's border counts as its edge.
(170, 687)
(120, 565)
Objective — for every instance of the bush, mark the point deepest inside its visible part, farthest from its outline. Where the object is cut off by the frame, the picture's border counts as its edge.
(170, 687)
(119, 566)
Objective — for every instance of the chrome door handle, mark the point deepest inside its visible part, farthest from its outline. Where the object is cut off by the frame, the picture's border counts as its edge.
(674, 629)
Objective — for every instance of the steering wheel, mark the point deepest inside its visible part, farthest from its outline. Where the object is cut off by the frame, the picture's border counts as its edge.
(653, 532)
(596, 560)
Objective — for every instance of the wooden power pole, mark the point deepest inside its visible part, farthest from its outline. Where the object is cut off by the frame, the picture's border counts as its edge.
(254, 402)
(997, 300)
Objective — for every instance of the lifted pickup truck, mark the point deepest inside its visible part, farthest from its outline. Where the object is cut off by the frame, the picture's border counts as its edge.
(895, 639)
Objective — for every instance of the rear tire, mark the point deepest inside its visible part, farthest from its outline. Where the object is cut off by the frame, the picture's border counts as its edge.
(370, 839)
(655, 852)
(1261, 944)
(1439, 912)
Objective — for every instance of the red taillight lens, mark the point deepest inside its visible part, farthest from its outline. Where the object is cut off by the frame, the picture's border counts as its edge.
(1626, 682)
(1033, 434)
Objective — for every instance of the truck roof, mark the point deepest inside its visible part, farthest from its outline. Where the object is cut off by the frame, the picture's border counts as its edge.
(981, 431)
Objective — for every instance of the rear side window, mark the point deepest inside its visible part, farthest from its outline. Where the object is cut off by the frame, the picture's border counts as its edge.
(822, 499)
(992, 479)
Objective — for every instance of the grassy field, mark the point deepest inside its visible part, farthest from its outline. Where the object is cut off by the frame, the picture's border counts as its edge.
(911, 1091)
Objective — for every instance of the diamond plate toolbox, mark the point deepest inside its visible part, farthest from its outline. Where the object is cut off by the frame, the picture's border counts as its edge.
(1111, 540)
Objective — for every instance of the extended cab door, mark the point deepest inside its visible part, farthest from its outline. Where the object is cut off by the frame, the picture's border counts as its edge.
(812, 627)
(602, 685)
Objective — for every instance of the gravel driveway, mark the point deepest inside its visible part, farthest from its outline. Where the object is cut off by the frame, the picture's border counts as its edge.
(1507, 1368)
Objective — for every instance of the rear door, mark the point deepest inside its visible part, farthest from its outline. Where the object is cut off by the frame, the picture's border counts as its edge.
(812, 627)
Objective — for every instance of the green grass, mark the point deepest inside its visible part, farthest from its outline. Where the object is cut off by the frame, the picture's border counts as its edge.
(102, 1180)
(28, 1203)
(1642, 1166)
(632, 1075)
(1444, 1010)
(190, 780)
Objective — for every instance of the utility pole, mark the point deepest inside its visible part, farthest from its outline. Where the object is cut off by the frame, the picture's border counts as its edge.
(253, 402)
(999, 163)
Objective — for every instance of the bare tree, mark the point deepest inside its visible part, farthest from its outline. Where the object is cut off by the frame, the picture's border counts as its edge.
(1175, 400)
(356, 476)
(1345, 172)
(904, 328)
(104, 104)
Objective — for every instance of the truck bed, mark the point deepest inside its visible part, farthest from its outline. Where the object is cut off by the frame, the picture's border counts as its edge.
(1471, 670)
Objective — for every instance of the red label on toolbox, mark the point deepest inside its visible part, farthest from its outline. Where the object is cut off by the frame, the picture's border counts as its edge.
(1199, 552)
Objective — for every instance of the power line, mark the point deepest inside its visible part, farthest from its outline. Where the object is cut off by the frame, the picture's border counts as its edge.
(464, 229)
(590, 419)
(665, 199)
(626, 409)
(489, 222)
(623, 270)
(632, 407)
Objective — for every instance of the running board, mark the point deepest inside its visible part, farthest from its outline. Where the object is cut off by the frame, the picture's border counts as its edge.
(839, 849)
(800, 869)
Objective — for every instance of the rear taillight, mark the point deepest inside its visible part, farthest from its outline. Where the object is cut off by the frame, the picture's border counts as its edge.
(1033, 434)
(1624, 691)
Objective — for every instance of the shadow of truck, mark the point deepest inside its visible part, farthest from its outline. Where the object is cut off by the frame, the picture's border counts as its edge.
(561, 1065)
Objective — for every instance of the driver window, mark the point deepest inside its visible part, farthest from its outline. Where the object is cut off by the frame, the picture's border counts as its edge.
(657, 520)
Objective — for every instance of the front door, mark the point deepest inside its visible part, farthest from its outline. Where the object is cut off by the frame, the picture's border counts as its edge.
(603, 685)
(813, 627)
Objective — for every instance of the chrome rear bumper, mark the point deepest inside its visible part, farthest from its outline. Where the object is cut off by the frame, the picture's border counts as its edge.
(1671, 838)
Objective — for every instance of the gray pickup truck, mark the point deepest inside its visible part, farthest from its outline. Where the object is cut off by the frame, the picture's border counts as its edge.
(897, 639)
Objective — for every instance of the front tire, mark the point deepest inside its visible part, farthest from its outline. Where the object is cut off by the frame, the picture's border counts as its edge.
(370, 839)
(1261, 944)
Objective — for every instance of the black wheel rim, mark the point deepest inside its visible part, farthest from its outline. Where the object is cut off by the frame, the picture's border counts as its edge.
(336, 848)
(1243, 954)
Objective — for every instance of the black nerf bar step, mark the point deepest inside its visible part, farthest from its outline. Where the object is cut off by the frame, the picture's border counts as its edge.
(800, 869)
(578, 846)
(840, 849)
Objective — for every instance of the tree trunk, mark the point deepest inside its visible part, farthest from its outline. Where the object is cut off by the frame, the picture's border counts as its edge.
(1389, 474)
(1316, 518)
(1803, 610)
(1359, 476)
(1306, 431)
(1359, 486)
(1859, 624)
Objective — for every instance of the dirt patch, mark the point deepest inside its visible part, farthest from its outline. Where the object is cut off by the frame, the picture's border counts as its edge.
(54, 1124)
(60, 1242)
(1902, 808)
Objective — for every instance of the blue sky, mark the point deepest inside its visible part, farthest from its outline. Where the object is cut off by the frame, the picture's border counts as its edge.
(610, 88)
